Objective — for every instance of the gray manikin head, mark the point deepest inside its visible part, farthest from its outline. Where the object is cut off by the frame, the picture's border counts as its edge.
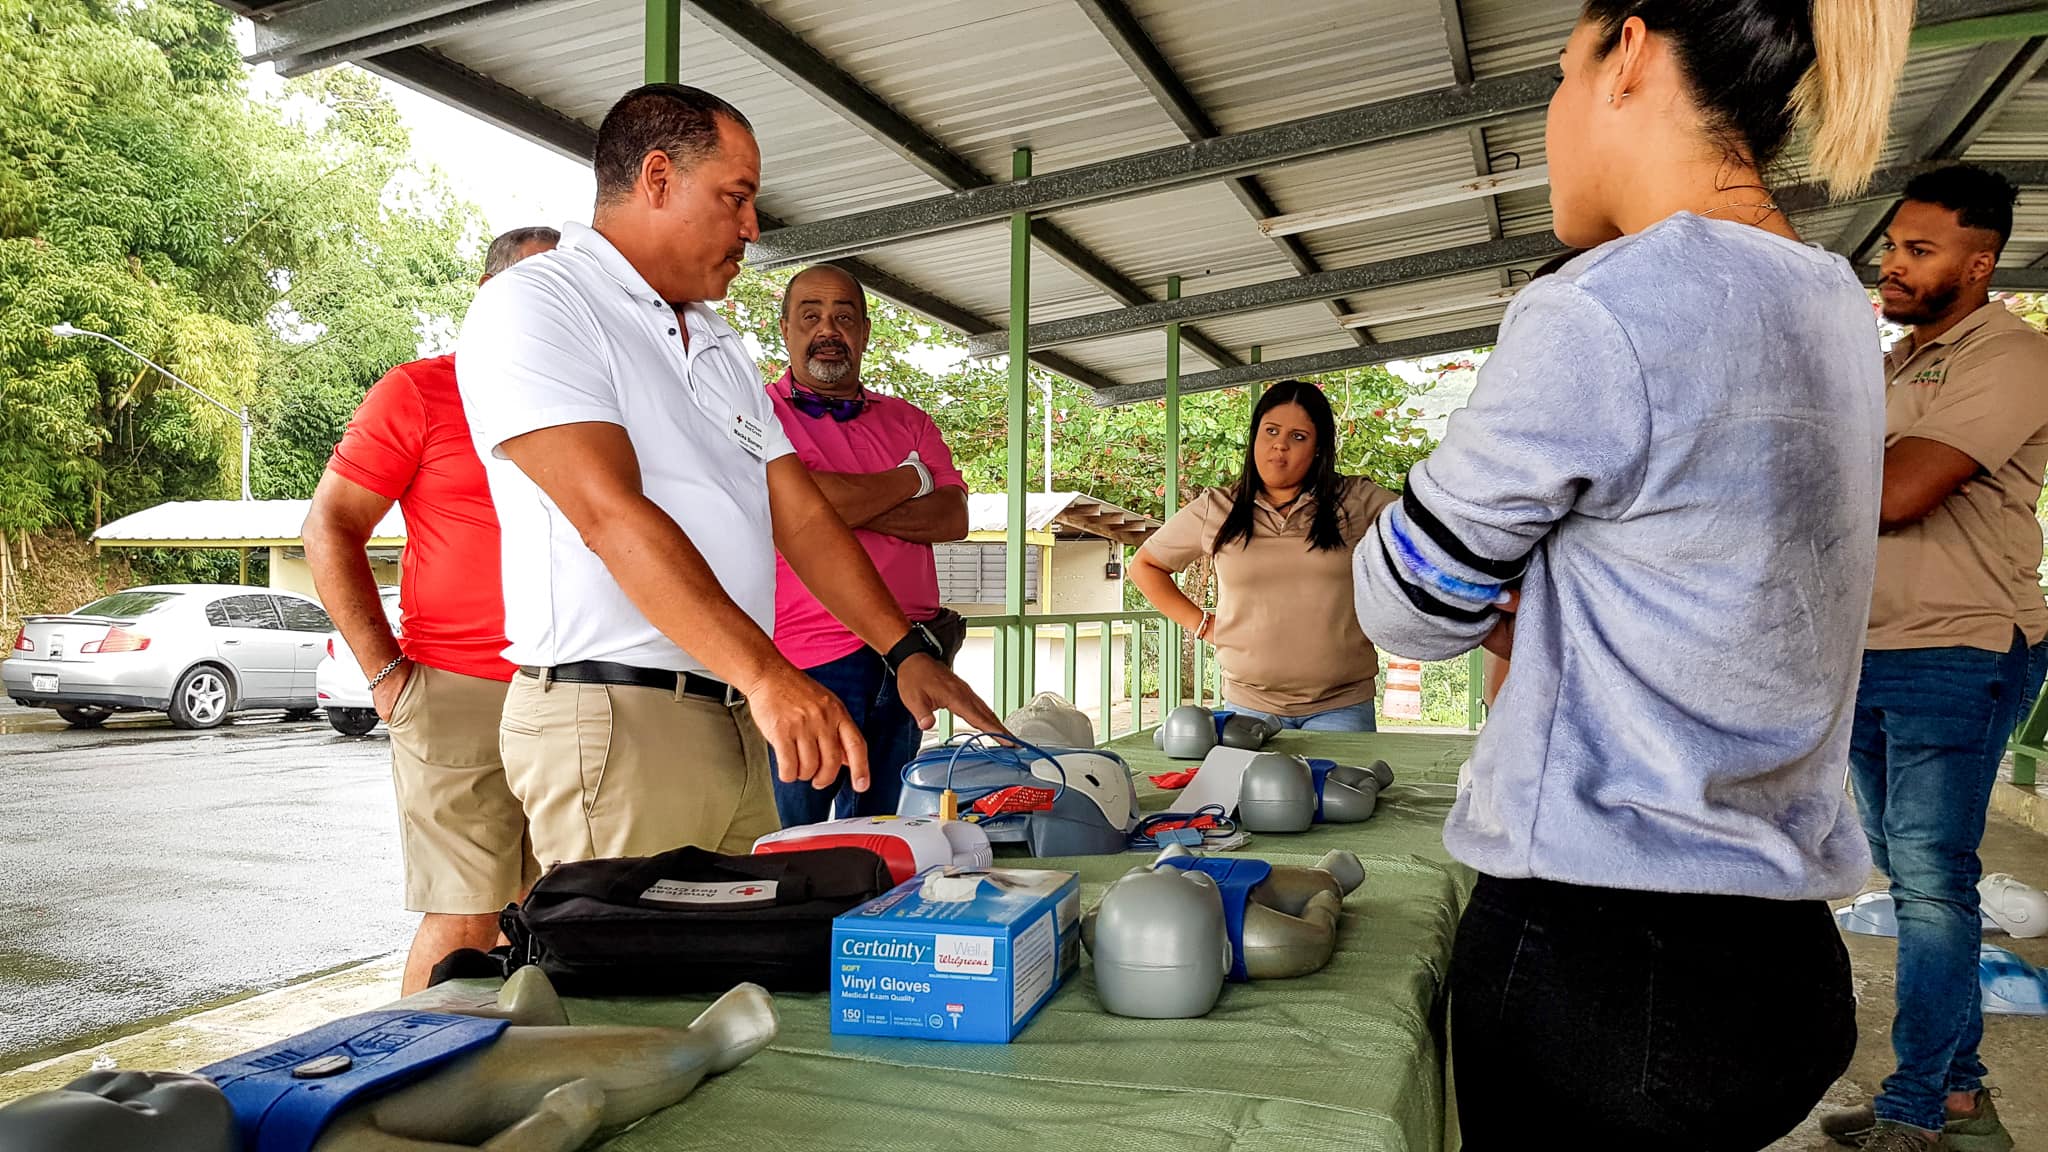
(122, 1112)
(1188, 732)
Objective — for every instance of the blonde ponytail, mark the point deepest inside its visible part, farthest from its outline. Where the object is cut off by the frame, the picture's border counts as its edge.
(1845, 99)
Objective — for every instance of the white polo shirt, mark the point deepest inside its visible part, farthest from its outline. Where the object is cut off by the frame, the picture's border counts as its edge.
(576, 335)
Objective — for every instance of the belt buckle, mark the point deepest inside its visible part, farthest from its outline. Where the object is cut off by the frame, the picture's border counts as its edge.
(733, 698)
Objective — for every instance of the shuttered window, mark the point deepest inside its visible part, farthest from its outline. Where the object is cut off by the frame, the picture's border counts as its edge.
(973, 573)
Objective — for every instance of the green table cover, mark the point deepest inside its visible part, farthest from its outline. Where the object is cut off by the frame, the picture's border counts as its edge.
(1349, 1058)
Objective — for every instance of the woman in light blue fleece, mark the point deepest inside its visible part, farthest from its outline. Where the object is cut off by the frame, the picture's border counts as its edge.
(1674, 455)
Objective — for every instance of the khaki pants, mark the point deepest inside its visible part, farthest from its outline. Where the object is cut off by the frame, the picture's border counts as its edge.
(608, 770)
(462, 830)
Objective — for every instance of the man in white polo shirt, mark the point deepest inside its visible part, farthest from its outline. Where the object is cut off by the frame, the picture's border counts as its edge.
(643, 487)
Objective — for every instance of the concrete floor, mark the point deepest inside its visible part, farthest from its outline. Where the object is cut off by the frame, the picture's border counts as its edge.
(147, 871)
(2015, 1047)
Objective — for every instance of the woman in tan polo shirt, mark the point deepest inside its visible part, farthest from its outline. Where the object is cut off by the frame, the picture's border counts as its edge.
(1285, 631)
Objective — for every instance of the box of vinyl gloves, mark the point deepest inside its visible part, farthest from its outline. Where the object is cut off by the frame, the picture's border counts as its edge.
(955, 955)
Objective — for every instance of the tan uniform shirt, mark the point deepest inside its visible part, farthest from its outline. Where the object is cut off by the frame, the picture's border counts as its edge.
(1959, 577)
(1286, 631)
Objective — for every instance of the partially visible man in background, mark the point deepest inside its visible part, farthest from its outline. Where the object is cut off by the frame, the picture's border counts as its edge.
(1945, 663)
(889, 475)
(441, 686)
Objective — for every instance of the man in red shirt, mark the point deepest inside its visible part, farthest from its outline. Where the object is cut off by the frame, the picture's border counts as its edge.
(442, 686)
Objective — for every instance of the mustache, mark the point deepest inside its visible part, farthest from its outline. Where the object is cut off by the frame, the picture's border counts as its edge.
(818, 346)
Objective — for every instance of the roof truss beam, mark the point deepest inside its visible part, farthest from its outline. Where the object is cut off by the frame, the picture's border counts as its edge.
(789, 56)
(1422, 347)
(2033, 279)
(1414, 200)
(1282, 293)
(1403, 270)
(1201, 161)
(515, 112)
(1123, 31)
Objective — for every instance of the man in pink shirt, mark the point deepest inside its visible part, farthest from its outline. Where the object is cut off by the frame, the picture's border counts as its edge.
(881, 463)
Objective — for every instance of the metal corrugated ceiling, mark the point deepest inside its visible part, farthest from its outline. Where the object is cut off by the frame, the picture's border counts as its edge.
(984, 77)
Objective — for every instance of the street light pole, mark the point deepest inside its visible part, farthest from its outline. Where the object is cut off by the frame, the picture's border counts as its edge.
(241, 417)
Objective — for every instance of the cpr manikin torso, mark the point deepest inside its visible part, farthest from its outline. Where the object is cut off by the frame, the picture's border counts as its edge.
(541, 1086)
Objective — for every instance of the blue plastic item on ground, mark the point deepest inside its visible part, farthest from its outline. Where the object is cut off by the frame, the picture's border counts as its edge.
(2012, 987)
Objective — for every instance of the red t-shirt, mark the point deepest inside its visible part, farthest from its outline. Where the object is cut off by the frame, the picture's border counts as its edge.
(409, 442)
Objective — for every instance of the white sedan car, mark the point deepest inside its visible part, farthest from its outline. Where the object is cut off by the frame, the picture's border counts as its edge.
(199, 652)
(344, 690)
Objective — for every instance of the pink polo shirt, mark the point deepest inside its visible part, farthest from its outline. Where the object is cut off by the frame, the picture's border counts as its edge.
(877, 440)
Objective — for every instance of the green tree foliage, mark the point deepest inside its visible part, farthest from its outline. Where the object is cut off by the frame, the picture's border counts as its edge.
(279, 255)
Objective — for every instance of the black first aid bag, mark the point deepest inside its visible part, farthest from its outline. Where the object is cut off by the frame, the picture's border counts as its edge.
(690, 920)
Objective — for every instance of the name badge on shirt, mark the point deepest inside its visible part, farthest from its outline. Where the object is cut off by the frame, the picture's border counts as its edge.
(748, 433)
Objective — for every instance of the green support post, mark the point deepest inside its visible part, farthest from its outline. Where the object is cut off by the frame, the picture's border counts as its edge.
(664, 42)
(1475, 689)
(1135, 689)
(1073, 637)
(1027, 685)
(1201, 676)
(1169, 662)
(1012, 678)
(1105, 668)
(2027, 747)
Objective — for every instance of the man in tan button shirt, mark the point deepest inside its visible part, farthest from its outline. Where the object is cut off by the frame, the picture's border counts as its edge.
(1951, 618)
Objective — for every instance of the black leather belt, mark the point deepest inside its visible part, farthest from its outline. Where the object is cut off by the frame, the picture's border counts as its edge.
(606, 672)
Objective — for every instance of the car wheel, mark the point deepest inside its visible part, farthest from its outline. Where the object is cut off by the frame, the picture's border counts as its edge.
(84, 715)
(202, 698)
(352, 721)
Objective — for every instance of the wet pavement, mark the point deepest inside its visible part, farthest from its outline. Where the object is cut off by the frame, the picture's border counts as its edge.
(146, 870)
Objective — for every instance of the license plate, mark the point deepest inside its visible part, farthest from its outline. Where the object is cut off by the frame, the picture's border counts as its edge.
(44, 683)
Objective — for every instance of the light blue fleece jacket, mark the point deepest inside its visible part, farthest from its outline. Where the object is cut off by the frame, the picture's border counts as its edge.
(1676, 448)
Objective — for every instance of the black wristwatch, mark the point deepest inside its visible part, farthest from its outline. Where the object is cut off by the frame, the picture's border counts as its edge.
(919, 641)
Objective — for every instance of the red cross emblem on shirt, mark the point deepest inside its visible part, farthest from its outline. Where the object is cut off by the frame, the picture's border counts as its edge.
(749, 890)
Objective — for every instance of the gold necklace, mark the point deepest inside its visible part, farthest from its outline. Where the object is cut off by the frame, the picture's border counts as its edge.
(1767, 205)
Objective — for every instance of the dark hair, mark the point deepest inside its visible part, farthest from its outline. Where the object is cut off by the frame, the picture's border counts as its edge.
(673, 118)
(1980, 198)
(506, 250)
(1326, 530)
(1755, 68)
(860, 290)
(1555, 263)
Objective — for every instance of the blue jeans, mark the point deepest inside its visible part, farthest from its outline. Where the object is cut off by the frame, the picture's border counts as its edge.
(2037, 672)
(1931, 727)
(1353, 718)
(863, 683)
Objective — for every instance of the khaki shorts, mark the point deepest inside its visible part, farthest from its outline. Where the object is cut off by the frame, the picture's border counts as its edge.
(608, 770)
(463, 832)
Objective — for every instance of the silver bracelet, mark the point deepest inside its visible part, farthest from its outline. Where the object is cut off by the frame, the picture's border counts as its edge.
(387, 670)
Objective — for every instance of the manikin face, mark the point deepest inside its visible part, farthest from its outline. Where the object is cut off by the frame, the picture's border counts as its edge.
(124, 1111)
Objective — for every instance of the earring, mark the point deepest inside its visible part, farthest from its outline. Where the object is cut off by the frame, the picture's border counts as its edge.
(1610, 97)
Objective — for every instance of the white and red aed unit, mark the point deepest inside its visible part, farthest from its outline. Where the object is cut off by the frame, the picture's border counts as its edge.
(908, 844)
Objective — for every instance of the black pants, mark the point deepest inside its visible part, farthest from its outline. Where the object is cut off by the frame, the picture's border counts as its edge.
(1610, 1019)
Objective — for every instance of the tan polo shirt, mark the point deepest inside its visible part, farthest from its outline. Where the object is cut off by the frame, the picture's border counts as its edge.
(1955, 579)
(1286, 630)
